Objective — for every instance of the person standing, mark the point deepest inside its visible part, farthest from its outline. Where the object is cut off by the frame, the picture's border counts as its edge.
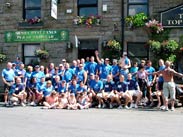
(8, 77)
(169, 84)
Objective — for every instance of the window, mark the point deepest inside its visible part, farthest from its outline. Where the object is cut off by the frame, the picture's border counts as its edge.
(31, 9)
(137, 6)
(87, 7)
(29, 54)
(137, 51)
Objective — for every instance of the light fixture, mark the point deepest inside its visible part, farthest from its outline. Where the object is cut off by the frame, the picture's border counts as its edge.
(69, 45)
(8, 5)
(104, 7)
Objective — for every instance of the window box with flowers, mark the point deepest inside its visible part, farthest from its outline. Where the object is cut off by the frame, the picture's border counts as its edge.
(36, 21)
(112, 49)
(2, 58)
(42, 54)
(136, 21)
(88, 21)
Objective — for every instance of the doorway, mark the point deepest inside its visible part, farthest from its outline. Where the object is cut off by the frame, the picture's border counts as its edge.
(87, 48)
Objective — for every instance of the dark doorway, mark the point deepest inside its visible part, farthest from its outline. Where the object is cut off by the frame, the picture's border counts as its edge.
(87, 48)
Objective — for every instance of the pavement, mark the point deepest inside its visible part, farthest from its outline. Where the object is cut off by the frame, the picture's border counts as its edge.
(36, 122)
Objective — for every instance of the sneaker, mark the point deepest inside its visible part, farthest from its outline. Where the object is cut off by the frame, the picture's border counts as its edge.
(126, 107)
(120, 107)
(152, 104)
(166, 109)
(110, 106)
(15, 103)
(172, 109)
(22, 104)
(132, 105)
(33, 103)
(104, 105)
(162, 107)
(99, 106)
(136, 106)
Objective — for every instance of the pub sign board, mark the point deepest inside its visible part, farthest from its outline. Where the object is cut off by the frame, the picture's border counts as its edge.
(36, 36)
(172, 18)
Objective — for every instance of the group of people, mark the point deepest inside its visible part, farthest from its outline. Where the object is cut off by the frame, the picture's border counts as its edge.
(89, 83)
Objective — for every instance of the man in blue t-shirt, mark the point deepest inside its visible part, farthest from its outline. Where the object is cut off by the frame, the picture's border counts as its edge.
(8, 78)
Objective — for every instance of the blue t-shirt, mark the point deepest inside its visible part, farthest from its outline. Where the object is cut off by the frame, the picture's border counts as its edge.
(109, 86)
(106, 70)
(73, 88)
(8, 74)
(62, 89)
(121, 86)
(16, 88)
(124, 73)
(91, 67)
(115, 70)
(68, 75)
(40, 86)
(150, 71)
(160, 79)
(20, 72)
(81, 89)
(56, 86)
(38, 75)
(97, 86)
(47, 90)
(132, 85)
(28, 77)
(80, 75)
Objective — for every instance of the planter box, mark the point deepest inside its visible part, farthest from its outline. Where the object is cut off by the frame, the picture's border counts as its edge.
(28, 25)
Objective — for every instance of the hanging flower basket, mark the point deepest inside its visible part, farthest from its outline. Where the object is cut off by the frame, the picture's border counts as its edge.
(42, 54)
(2, 57)
(114, 44)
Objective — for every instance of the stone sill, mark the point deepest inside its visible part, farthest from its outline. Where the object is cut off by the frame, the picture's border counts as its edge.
(28, 25)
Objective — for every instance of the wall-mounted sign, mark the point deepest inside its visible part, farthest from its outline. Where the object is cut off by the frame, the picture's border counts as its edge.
(36, 36)
(172, 17)
(54, 9)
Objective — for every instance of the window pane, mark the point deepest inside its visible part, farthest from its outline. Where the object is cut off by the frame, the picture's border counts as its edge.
(29, 50)
(87, 2)
(32, 3)
(88, 11)
(31, 60)
(137, 49)
(138, 1)
(32, 13)
(134, 9)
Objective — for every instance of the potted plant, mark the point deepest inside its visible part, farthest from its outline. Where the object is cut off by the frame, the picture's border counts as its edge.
(114, 44)
(137, 20)
(42, 54)
(36, 21)
(2, 57)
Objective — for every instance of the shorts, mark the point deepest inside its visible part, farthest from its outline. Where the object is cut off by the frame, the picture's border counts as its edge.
(133, 92)
(169, 89)
(14, 99)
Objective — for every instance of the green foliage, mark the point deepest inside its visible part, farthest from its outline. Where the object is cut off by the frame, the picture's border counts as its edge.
(2, 57)
(165, 50)
(42, 54)
(138, 20)
(114, 44)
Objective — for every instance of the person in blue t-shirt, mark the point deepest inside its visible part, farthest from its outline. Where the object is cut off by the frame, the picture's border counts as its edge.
(8, 78)
(108, 92)
(81, 74)
(63, 88)
(81, 89)
(47, 89)
(134, 90)
(120, 91)
(68, 73)
(73, 87)
(115, 71)
(37, 73)
(21, 72)
(96, 88)
(91, 67)
(28, 75)
(31, 91)
(57, 83)
(39, 92)
(17, 93)
(151, 80)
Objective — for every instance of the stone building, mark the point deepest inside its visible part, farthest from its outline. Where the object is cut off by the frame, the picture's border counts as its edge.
(20, 36)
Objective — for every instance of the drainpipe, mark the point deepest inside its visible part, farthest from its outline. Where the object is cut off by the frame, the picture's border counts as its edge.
(122, 25)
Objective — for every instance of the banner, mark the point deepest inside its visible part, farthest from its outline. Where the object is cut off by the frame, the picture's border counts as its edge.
(37, 36)
(54, 9)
